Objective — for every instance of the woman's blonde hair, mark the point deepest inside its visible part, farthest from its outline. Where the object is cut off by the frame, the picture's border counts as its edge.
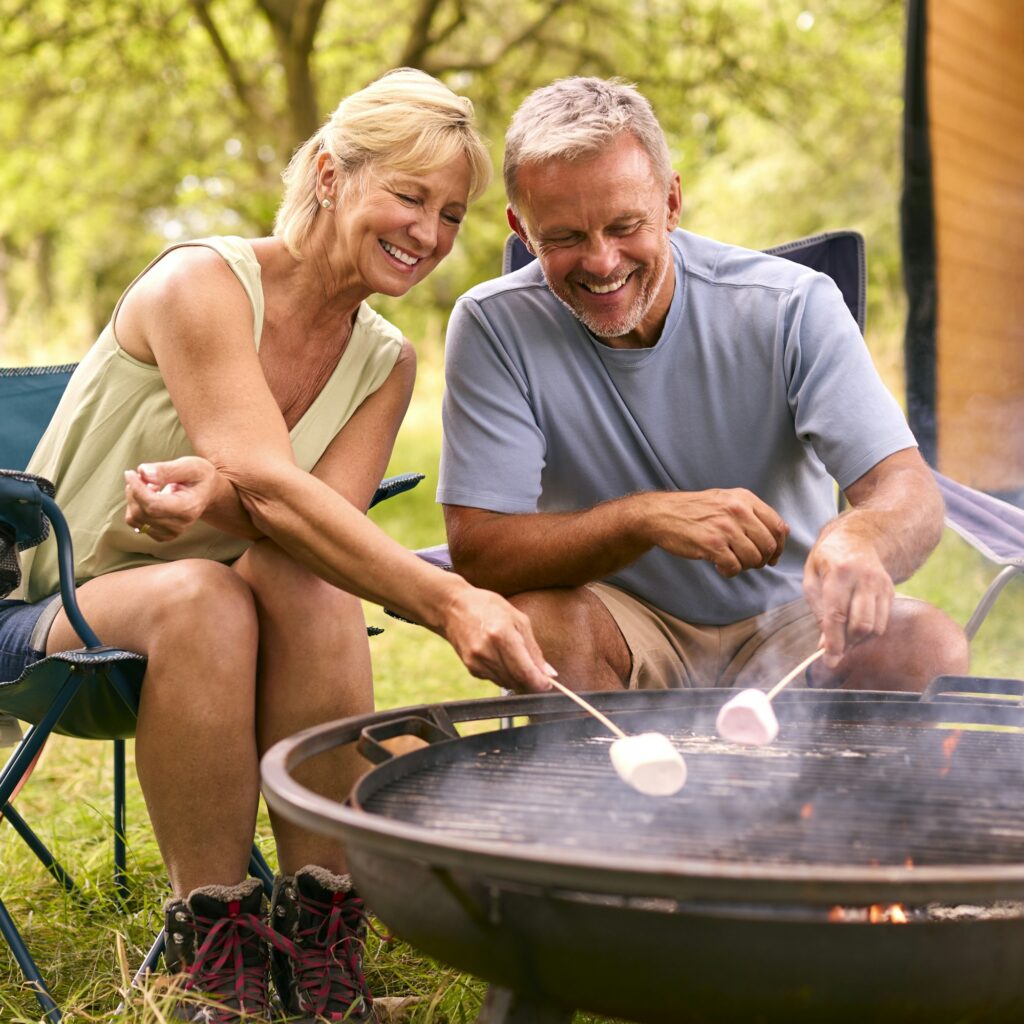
(405, 121)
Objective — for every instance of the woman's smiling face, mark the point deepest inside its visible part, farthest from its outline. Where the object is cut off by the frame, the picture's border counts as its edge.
(399, 225)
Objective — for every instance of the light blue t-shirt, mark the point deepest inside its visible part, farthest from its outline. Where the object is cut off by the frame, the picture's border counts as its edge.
(760, 380)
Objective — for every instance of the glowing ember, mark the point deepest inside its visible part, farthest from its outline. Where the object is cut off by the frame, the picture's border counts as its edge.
(909, 862)
(949, 745)
(807, 812)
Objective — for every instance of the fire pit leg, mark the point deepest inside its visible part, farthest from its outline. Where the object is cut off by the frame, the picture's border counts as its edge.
(502, 1006)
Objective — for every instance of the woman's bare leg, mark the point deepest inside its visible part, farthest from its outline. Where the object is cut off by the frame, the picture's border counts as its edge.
(314, 666)
(195, 745)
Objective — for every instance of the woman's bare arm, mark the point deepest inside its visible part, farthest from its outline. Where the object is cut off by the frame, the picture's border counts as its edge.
(197, 327)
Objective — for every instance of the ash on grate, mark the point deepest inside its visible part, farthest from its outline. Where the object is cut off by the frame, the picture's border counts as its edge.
(1001, 909)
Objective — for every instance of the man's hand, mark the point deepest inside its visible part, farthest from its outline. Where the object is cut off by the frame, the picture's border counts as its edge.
(163, 499)
(733, 529)
(849, 591)
(894, 521)
(512, 553)
(495, 641)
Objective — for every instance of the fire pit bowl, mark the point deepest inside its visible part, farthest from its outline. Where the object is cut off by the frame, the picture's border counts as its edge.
(868, 865)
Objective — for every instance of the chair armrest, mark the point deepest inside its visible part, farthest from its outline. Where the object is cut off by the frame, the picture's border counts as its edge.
(392, 485)
(991, 526)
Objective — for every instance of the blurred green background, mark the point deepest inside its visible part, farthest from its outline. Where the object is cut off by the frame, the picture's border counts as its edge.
(129, 124)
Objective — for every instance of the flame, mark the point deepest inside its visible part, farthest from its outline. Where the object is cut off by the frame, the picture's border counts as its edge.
(892, 914)
(909, 862)
(877, 913)
(949, 745)
(807, 811)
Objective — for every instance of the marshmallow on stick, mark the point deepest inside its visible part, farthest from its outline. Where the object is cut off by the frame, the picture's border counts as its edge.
(749, 717)
(648, 762)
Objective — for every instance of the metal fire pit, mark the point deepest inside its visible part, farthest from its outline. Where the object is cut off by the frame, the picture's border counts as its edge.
(519, 856)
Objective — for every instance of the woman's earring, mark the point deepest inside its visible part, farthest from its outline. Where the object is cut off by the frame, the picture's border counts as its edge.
(326, 203)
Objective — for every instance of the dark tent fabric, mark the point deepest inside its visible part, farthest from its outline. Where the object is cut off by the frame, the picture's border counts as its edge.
(918, 239)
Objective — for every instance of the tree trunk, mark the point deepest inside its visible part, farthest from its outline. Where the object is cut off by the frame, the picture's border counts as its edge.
(294, 24)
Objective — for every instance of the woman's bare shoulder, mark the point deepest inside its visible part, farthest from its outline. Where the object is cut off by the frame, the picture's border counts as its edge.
(190, 290)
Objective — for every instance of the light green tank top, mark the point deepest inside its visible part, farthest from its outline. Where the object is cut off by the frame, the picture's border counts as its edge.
(117, 413)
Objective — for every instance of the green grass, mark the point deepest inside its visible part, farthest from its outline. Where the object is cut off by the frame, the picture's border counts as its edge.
(84, 948)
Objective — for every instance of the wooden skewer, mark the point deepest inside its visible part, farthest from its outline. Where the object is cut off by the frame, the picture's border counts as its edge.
(589, 708)
(787, 679)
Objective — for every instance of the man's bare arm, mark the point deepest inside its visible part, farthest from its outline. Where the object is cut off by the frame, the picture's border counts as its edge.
(894, 522)
(733, 529)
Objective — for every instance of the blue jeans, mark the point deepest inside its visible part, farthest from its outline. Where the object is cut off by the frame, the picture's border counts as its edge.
(23, 631)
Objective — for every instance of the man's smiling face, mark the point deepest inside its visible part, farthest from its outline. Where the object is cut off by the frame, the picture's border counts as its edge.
(599, 227)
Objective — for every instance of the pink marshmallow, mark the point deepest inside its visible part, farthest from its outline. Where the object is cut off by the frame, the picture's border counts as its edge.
(748, 718)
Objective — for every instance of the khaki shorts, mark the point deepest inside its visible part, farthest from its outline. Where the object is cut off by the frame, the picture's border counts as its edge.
(668, 653)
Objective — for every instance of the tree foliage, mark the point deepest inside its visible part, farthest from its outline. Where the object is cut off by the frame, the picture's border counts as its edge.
(127, 124)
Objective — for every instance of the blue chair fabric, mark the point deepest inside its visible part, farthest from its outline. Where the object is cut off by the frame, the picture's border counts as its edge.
(30, 397)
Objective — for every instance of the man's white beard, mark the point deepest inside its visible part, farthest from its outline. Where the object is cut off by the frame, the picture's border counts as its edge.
(631, 319)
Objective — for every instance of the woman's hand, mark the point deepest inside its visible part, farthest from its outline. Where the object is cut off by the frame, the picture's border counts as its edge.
(495, 641)
(163, 499)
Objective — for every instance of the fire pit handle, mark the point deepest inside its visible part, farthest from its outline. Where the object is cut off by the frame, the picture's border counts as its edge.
(974, 689)
(370, 743)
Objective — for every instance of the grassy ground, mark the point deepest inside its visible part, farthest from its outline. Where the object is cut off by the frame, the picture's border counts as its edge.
(87, 950)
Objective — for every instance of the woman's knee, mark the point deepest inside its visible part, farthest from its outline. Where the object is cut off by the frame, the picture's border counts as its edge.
(196, 598)
(287, 588)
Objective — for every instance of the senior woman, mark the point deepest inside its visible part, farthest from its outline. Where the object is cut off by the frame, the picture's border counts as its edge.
(259, 398)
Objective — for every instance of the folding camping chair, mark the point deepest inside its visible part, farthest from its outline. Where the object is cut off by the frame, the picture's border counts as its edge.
(991, 526)
(90, 693)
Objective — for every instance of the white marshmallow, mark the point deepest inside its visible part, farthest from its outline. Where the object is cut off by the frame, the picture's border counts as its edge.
(649, 763)
(748, 718)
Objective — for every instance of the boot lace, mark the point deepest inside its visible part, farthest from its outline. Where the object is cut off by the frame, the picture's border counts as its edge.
(231, 967)
(328, 968)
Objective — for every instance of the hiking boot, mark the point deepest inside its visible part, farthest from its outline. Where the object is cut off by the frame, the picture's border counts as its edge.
(218, 939)
(321, 915)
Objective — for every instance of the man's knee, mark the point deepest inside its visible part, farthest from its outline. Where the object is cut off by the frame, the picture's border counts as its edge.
(920, 643)
(577, 635)
(939, 644)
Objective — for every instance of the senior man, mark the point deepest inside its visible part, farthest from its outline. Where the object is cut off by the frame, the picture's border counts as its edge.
(642, 430)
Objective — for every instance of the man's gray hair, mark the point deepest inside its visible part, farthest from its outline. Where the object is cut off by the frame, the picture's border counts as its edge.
(578, 117)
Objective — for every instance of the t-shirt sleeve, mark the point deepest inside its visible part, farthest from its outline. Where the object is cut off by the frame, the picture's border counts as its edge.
(492, 453)
(840, 405)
